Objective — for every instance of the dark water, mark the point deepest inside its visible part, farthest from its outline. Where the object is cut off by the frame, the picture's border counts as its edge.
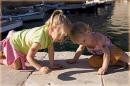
(111, 20)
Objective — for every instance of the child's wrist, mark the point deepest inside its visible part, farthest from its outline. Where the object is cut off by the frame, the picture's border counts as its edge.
(38, 68)
(51, 62)
(76, 58)
(104, 67)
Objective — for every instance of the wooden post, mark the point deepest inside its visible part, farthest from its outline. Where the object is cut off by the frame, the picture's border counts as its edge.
(129, 23)
(129, 30)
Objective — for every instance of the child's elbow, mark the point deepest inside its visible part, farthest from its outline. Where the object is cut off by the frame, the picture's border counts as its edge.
(29, 58)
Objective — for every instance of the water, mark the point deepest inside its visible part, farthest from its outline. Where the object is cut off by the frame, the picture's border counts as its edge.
(111, 20)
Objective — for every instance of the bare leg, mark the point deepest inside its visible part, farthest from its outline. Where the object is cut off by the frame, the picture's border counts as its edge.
(2, 56)
(125, 58)
(16, 65)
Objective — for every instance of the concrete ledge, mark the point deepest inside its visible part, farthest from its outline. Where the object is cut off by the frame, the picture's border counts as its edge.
(10, 77)
(79, 74)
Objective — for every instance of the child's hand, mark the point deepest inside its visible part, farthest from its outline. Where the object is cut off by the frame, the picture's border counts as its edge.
(71, 61)
(102, 71)
(44, 70)
(56, 67)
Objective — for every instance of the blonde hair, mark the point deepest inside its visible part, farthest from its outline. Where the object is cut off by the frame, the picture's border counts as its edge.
(79, 28)
(58, 18)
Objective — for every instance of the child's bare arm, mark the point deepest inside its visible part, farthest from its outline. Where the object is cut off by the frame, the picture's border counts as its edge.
(51, 55)
(106, 57)
(51, 58)
(79, 52)
(31, 53)
(77, 55)
(106, 60)
(101, 42)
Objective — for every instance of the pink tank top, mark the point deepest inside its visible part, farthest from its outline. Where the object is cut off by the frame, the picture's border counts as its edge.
(97, 50)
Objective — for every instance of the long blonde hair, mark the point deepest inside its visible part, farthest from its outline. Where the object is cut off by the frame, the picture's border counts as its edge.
(58, 18)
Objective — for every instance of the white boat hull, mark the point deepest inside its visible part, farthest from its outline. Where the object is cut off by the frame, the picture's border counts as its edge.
(11, 25)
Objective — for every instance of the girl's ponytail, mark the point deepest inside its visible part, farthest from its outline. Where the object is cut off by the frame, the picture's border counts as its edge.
(59, 19)
(55, 13)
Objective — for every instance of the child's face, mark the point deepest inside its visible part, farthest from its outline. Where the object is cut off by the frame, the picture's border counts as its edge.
(81, 39)
(58, 34)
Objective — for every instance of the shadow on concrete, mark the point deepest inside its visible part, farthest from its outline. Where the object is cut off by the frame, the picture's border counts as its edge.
(67, 76)
(116, 68)
(82, 63)
(80, 67)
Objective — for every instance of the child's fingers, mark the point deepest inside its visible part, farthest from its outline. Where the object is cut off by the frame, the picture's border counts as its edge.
(45, 70)
(101, 71)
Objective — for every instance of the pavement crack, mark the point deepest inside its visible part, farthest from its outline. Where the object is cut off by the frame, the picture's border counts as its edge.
(102, 81)
(23, 83)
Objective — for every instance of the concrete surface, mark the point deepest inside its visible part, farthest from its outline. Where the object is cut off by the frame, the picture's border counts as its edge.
(10, 77)
(79, 74)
